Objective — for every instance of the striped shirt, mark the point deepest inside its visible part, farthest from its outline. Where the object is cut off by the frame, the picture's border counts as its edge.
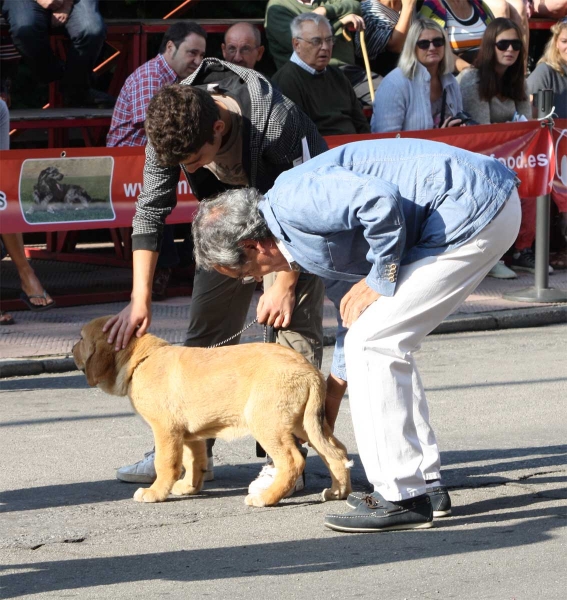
(379, 21)
(7, 49)
(465, 34)
(127, 126)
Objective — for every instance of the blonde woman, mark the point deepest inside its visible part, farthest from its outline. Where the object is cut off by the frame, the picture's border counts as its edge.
(421, 93)
(551, 73)
(551, 70)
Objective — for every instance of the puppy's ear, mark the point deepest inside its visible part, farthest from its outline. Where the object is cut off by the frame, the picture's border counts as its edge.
(100, 366)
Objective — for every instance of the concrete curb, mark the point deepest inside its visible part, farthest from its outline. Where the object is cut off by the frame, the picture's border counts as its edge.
(23, 367)
(505, 319)
(489, 321)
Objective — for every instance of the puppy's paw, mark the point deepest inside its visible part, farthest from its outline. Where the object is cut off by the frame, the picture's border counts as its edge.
(329, 494)
(147, 495)
(182, 488)
(252, 500)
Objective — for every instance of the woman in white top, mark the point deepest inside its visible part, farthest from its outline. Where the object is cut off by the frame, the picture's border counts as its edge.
(421, 93)
(464, 21)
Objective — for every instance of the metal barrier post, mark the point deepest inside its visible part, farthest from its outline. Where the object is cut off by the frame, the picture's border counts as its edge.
(541, 292)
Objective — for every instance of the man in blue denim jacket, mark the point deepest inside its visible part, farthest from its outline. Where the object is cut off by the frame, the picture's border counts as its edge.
(401, 231)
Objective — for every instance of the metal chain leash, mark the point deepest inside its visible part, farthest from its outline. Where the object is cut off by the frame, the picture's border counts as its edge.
(240, 333)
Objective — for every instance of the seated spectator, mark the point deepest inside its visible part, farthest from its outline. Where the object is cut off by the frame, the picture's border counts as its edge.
(320, 90)
(33, 295)
(551, 70)
(464, 21)
(344, 16)
(494, 91)
(551, 73)
(181, 52)
(243, 45)
(9, 62)
(421, 93)
(518, 11)
(387, 23)
(31, 22)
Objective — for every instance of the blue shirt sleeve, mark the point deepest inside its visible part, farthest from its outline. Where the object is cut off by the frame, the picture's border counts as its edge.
(331, 203)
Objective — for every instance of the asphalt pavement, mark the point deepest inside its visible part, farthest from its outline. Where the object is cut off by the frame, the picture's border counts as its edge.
(69, 529)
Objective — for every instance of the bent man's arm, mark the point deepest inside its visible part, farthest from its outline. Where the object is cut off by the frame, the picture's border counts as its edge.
(276, 305)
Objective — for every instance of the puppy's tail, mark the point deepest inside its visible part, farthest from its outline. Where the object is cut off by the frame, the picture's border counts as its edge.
(315, 424)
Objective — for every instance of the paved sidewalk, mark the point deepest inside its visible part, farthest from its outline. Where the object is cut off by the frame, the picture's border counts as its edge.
(42, 341)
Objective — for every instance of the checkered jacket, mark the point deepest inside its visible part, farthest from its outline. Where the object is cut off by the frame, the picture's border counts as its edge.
(273, 129)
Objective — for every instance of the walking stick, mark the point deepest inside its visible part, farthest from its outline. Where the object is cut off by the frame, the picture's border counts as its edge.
(366, 64)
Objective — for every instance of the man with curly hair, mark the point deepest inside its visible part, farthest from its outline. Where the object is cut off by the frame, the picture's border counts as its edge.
(224, 127)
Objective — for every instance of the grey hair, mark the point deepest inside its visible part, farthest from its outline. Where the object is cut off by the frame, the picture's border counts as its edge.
(316, 18)
(408, 58)
(223, 223)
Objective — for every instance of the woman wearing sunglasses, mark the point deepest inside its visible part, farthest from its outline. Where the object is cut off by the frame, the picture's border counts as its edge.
(494, 91)
(421, 93)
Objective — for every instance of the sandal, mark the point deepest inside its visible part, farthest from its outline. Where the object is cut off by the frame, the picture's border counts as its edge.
(36, 307)
(6, 319)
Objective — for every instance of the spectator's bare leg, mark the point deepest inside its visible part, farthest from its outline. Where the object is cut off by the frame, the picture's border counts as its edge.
(31, 285)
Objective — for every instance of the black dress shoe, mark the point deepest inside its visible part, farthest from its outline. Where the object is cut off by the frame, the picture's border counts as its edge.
(376, 514)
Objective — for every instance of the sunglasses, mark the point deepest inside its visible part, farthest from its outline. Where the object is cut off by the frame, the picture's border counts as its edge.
(505, 44)
(424, 44)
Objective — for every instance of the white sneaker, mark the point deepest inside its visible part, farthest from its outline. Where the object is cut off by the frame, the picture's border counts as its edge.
(141, 472)
(144, 470)
(266, 478)
(501, 271)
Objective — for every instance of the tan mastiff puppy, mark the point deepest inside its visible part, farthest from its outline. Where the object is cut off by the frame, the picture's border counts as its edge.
(187, 395)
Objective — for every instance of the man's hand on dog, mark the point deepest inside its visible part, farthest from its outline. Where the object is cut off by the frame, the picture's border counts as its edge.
(356, 301)
(276, 305)
(135, 318)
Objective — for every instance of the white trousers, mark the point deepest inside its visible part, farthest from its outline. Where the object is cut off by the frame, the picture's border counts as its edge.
(390, 416)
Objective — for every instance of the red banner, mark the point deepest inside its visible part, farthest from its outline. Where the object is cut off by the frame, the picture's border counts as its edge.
(93, 188)
(526, 148)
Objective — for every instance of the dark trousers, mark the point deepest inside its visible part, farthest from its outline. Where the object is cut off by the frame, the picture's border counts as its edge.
(30, 25)
(219, 306)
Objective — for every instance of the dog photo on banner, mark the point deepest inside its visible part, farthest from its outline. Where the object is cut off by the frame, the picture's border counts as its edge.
(66, 190)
